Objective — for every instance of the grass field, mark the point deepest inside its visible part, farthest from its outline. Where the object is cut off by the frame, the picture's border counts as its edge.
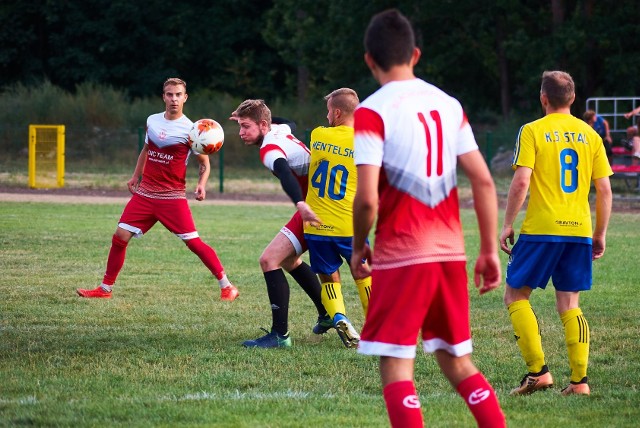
(166, 352)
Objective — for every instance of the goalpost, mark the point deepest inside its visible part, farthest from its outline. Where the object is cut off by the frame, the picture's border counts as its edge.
(46, 156)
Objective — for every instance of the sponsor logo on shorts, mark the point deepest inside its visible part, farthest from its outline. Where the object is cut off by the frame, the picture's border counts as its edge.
(411, 402)
(478, 396)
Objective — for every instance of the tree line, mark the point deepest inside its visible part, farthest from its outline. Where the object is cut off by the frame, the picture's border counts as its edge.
(488, 53)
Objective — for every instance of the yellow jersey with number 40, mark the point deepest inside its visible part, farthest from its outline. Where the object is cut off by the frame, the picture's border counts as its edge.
(565, 154)
(332, 181)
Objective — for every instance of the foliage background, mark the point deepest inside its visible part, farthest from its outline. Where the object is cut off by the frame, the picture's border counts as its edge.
(98, 65)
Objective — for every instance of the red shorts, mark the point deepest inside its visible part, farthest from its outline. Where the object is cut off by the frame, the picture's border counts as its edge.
(141, 213)
(432, 297)
(294, 231)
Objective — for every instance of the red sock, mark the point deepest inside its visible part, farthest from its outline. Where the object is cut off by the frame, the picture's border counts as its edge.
(403, 405)
(482, 401)
(207, 255)
(115, 261)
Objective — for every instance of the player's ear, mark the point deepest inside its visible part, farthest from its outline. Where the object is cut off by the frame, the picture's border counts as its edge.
(370, 62)
(415, 56)
(185, 97)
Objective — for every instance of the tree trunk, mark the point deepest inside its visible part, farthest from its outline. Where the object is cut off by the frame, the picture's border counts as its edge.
(503, 70)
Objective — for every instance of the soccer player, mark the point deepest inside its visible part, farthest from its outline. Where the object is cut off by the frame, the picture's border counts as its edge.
(332, 186)
(158, 188)
(288, 159)
(556, 159)
(409, 138)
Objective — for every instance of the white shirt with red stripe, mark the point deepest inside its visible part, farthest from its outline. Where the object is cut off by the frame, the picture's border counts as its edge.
(414, 132)
(280, 143)
(165, 170)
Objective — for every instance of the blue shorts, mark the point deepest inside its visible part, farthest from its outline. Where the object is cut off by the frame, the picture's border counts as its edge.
(568, 264)
(326, 253)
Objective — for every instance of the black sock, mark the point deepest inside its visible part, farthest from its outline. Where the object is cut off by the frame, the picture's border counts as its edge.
(309, 282)
(278, 290)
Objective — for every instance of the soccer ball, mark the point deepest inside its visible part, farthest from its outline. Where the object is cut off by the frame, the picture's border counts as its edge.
(206, 136)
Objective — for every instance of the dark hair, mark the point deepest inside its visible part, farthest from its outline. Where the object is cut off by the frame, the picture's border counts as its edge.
(389, 39)
(559, 88)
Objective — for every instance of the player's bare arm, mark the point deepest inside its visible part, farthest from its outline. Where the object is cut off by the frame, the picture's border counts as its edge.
(487, 272)
(134, 181)
(603, 213)
(307, 214)
(203, 176)
(365, 204)
(517, 194)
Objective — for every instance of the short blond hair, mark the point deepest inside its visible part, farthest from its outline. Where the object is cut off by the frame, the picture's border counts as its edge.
(174, 81)
(256, 110)
(345, 99)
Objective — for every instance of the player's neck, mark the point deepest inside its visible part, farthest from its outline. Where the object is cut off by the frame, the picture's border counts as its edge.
(172, 116)
(396, 73)
(561, 110)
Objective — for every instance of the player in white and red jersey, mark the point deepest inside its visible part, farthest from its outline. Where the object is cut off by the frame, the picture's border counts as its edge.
(409, 136)
(288, 159)
(158, 188)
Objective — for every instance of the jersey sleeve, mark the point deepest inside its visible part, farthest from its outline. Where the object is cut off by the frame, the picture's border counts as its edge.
(466, 139)
(369, 137)
(524, 153)
(269, 154)
(601, 166)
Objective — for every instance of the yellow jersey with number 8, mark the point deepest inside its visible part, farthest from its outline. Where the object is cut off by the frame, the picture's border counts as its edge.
(566, 155)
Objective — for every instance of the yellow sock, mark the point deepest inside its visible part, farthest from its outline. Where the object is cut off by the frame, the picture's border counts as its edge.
(576, 335)
(527, 332)
(364, 290)
(332, 299)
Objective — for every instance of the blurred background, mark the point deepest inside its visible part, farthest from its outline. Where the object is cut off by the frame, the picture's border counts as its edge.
(97, 66)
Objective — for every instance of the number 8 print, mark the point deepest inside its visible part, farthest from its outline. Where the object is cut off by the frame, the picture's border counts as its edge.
(569, 170)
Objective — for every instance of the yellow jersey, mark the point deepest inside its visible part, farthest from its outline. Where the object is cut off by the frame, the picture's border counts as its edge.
(332, 181)
(565, 154)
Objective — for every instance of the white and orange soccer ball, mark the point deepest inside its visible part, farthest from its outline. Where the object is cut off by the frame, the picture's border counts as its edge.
(206, 136)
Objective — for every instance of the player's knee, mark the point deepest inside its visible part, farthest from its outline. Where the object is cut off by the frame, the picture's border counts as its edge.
(194, 244)
(268, 262)
(512, 294)
(117, 241)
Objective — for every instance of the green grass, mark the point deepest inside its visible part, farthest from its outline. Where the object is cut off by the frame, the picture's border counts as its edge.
(166, 352)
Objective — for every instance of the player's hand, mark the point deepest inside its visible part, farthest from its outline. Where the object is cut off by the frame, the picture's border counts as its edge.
(597, 247)
(487, 273)
(359, 269)
(507, 234)
(132, 184)
(201, 193)
(627, 115)
(307, 214)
